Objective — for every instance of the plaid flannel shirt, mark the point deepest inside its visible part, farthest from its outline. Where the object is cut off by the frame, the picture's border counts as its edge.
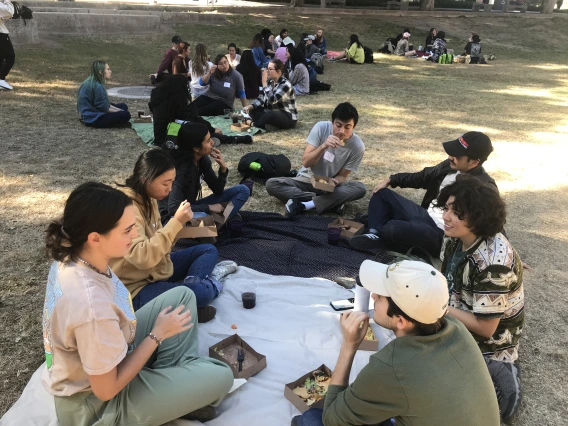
(278, 98)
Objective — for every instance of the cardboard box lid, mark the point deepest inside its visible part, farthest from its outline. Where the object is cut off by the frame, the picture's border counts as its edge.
(246, 372)
(295, 399)
(195, 231)
(222, 218)
(355, 228)
(328, 187)
(369, 345)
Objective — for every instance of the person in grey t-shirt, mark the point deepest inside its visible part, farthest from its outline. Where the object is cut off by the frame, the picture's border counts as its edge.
(332, 150)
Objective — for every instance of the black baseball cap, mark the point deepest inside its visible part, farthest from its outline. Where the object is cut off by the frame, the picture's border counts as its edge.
(176, 39)
(475, 145)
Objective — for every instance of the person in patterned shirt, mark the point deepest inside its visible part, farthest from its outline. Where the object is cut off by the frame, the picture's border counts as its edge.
(485, 280)
(275, 107)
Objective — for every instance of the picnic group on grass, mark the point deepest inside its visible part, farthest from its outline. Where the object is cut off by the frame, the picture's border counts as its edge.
(117, 293)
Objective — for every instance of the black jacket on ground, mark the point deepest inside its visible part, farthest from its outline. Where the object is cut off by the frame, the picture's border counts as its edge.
(165, 111)
(187, 186)
(430, 179)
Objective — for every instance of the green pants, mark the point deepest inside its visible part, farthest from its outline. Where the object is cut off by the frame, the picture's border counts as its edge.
(175, 381)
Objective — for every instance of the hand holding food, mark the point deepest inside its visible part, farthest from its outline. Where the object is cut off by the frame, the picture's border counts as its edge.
(351, 328)
(184, 213)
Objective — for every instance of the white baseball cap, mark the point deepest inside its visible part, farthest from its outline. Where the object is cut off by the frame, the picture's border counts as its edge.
(417, 288)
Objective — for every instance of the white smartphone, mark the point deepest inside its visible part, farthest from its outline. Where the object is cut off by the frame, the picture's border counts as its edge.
(343, 305)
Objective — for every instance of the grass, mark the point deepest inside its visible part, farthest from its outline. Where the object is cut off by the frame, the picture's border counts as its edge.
(407, 109)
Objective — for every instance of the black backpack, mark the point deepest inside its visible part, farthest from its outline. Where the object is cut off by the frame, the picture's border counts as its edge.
(318, 86)
(22, 12)
(368, 55)
(270, 165)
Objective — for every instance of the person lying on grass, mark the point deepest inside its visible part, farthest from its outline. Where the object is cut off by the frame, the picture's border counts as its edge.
(431, 374)
(192, 152)
(485, 278)
(275, 107)
(397, 223)
(150, 268)
(332, 151)
(225, 84)
(93, 105)
(106, 363)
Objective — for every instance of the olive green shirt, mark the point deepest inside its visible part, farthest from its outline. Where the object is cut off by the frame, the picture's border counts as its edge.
(420, 381)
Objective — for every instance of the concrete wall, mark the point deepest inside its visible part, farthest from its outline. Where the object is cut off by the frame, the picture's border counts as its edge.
(23, 34)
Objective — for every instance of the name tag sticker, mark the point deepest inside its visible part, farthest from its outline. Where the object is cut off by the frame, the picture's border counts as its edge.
(328, 156)
(227, 84)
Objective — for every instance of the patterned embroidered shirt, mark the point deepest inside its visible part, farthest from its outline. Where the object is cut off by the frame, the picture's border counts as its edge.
(280, 97)
(488, 282)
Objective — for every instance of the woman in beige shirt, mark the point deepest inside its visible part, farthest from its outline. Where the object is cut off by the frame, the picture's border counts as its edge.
(106, 364)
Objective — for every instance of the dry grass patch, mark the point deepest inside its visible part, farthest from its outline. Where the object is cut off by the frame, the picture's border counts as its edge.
(407, 109)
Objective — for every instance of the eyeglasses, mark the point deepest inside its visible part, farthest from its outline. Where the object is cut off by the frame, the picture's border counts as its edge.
(271, 69)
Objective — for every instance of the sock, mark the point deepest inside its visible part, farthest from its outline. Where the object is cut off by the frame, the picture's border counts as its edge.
(309, 205)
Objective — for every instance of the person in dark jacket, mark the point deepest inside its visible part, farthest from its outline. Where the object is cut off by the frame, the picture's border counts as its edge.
(251, 74)
(192, 152)
(166, 64)
(430, 40)
(169, 101)
(397, 223)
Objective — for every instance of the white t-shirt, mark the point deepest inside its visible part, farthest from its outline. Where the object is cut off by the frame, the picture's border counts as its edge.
(196, 88)
(234, 63)
(344, 157)
(437, 213)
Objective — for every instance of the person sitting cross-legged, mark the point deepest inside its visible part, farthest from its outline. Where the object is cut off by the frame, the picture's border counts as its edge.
(430, 374)
(397, 223)
(333, 151)
(485, 278)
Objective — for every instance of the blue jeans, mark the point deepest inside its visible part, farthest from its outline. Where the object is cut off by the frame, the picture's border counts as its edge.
(197, 261)
(111, 119)
(237, 194)
(403, 224)
(313, 417)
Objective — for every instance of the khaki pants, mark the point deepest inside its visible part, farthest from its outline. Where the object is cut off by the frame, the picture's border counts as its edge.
(300, 187)
(175, 381)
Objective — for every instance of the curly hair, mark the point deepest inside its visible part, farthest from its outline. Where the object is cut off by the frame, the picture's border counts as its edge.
(476, 202)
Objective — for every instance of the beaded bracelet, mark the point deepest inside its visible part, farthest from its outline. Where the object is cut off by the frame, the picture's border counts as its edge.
(155, 339)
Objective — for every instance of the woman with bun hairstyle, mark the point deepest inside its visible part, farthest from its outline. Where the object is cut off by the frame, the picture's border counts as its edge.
(151, 268)
(106, 363)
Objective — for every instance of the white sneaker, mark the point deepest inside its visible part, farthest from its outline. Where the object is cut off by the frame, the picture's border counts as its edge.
(224, 268)
(5, 85)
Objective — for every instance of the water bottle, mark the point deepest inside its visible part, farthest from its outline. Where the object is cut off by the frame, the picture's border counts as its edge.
(362, 297)
(255, 166)
(420, 48)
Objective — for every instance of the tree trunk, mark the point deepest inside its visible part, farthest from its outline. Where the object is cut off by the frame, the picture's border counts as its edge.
(296, 3)
(548, 6)
(427, 5)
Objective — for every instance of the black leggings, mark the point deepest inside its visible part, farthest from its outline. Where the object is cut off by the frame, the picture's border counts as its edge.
(280, 119)
(207, 106)
(7, 55)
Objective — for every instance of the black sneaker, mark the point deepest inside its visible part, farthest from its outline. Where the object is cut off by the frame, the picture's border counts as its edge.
(365, 242)
(202, 414)
(505, 376)
(293, 207)
(295, 420)
(339, 210)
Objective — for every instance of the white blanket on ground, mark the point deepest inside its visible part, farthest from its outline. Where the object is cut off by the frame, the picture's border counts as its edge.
(292, 324)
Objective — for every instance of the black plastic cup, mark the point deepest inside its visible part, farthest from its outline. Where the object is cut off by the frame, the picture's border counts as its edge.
(249, 300)
(236, 227)
(249, 184)
(333, 235)
(235, 119)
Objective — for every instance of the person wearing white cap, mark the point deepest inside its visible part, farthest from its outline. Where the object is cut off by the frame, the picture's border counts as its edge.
(311, 48)
(402, 47)
(431, 374)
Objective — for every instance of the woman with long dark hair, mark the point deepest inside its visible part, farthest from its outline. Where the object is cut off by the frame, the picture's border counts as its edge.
(179, 64)
(92, 100)
(299, 76)
(257, 47)
(275, 107)
(169, 102)
(355, 54)
(233, 55)
(321, 42)
(193, 151)
(252, 76)
(104, 362)
(151, 268)
(225, 84)
(430, 40)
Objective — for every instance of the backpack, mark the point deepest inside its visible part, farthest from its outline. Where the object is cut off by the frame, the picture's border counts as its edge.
(446, 58)
(317, 62)
(22, 12)
(368, 55)
(388, 46)
(318, 86)
(171, 136)
(270, 165)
